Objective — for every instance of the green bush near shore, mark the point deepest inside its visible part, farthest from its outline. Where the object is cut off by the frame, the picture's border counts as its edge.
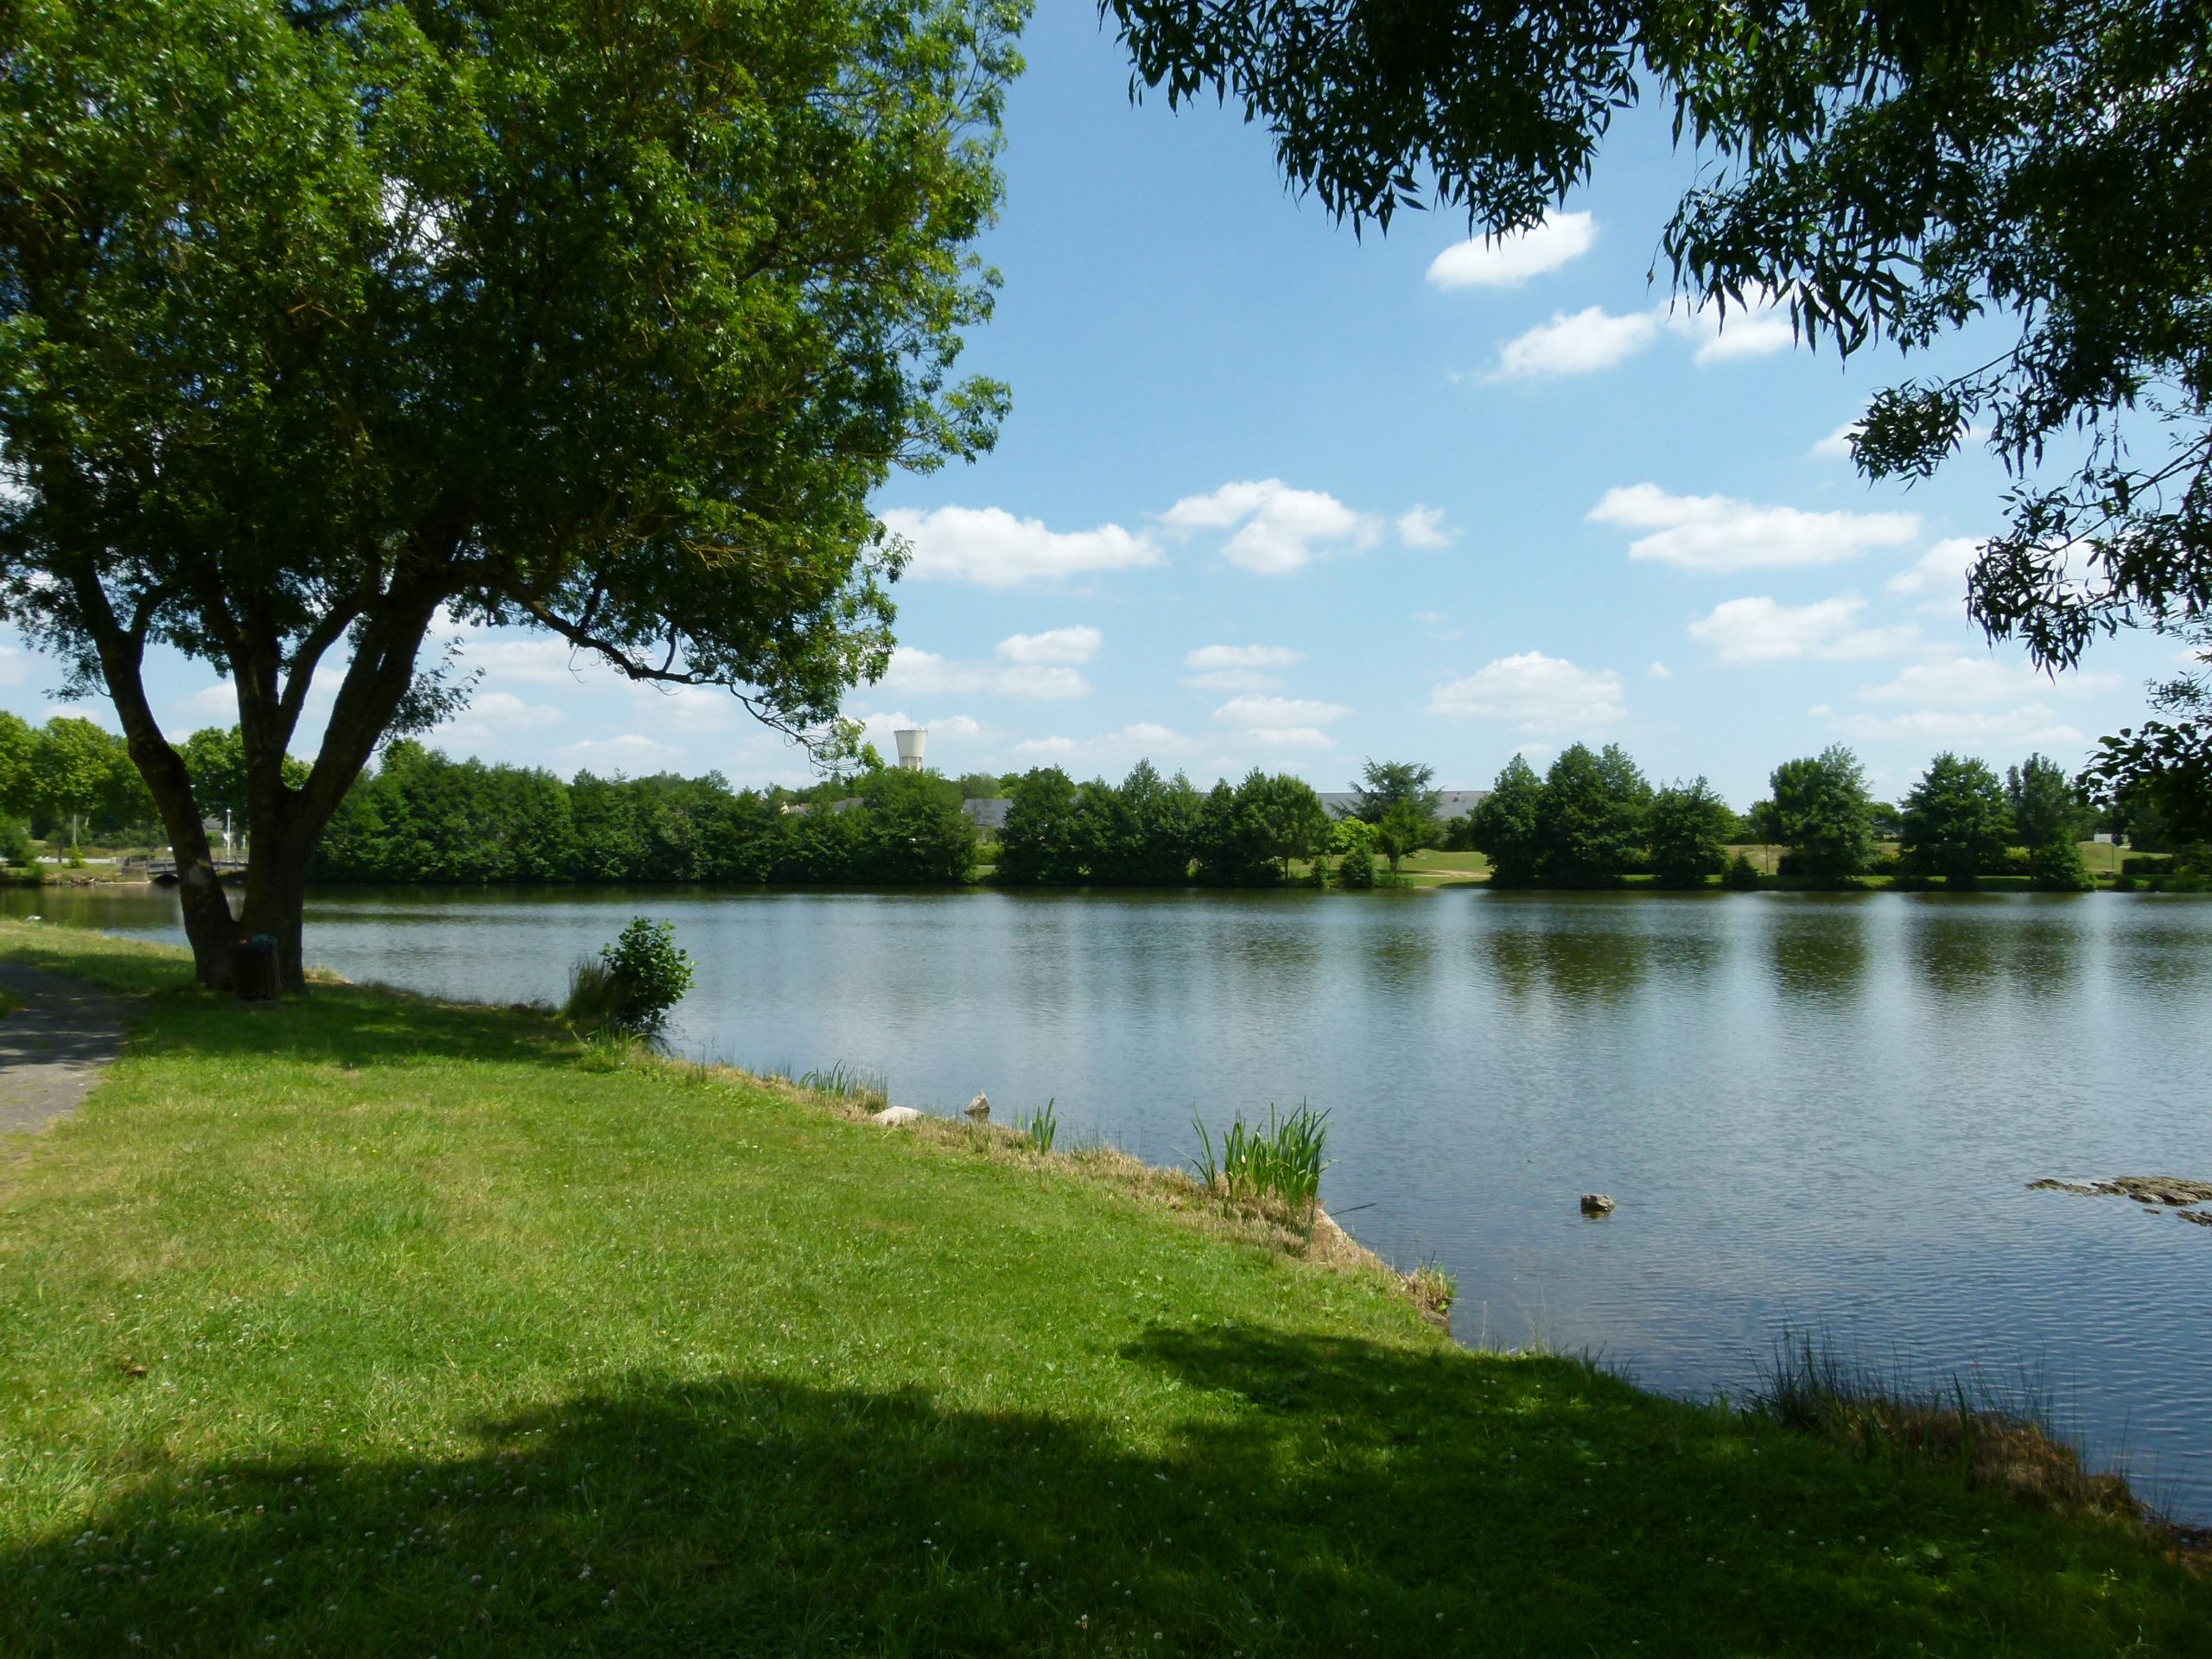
(370, 1326)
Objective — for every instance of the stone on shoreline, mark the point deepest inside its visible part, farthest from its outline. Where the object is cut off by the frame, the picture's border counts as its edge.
(892, 1116)
(2144, 1189)
(1597, 1204)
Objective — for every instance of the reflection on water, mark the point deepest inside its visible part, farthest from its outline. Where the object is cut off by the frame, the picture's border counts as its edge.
(1814, 1110)
(1822, 949)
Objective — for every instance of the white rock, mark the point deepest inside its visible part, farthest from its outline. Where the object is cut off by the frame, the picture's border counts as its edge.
(892, 1116)
(980, 1108)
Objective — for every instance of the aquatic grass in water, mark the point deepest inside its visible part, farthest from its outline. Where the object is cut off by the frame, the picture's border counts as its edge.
(1281, 1162)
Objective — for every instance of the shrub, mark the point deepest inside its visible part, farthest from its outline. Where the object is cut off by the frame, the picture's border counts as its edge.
(1356, 871)
(15, 846)
(634, 983)
(1742, 875)
(2058, 866)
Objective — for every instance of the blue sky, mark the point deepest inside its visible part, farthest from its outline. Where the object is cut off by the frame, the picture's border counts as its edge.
(1271, 494)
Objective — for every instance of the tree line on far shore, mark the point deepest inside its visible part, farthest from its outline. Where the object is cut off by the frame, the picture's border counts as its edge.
(1590, 820)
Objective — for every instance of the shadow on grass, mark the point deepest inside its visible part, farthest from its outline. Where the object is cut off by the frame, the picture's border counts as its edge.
(1332, 1496)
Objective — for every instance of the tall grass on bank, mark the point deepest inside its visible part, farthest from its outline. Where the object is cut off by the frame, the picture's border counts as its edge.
(1279, 1162)
(1957, 1426)
(845, 1081)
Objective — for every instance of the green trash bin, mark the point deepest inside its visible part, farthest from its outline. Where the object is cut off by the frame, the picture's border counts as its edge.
(255, 972)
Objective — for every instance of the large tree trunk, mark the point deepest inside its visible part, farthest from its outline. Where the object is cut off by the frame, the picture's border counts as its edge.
(276, 899)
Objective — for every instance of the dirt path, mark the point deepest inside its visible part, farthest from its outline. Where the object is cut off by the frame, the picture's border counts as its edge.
(52, 1048)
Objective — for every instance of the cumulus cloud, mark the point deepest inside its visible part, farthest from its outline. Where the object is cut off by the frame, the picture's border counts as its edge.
(2029, 725)
(1277, 529)
(491, 715)
(1255, 714)
(1582, 342)
(15, 665)
(1578, 342)
(1660, 671)
(1076, 645)
(1422, 526)
(1964, 681)
(1716, 533)
(1758, 630)
(1837, 445)
(630, 748)
(1940, 571)
(991, 548)
(1536, 693)
(916, 673)
(1238, 668)
(1509, 260)
(1045, 747)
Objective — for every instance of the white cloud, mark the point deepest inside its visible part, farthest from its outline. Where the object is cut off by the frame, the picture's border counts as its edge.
(2033, 724)
(1301, 738)
(1962, 680)
(1242, 657)
(1256, 713)
(916, 673)
(1046, 745)
(1577, 343)
(1238, 668)
(1761, 631)
(1278, 528)
(1716, 533)
(543, 661)
(623, 750)
(992, 548)
(1837, 445)
(1425, 527)
(1756, 329)
(1538, 693)
(15, 665)
(1584, 341)
(1076, 645)
(1154, 737)
(1509, 260)
(1660, 671)
(506, 709)
(1942, 569)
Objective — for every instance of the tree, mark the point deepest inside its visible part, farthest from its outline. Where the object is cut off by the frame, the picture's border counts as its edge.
(18, 757)
(1353, 841)
(1040, 843)
(1821, 813)
(1505, 827)
(1278, 818)
(2058, 866)
(1955, 819)
(1591, 818)
(74, 770)
(2045, 804)
(914, 828)
(317, 322)
(1888, 173)
(2165, 767)
(1385, 784)
(1685, 831)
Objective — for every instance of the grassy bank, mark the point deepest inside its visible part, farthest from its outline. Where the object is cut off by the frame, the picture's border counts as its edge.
(371, 1325)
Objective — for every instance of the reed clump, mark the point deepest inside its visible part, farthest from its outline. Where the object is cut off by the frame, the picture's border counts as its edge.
(1278, 1162)
(2010, 1446)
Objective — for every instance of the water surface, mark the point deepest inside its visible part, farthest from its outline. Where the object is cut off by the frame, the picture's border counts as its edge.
(1815, 1112)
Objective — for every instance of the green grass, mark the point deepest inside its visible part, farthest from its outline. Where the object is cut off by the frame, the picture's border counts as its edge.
(368, 1326)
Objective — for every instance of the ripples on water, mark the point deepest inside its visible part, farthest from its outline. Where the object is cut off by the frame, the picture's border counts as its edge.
(1816, 1112)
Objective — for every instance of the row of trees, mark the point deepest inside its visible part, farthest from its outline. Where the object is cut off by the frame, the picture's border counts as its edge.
(422, 817)
(1594, 819)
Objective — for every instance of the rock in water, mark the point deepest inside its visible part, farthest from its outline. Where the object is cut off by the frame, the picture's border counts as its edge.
(1597, 1204)
(892, 1116)
(980, 1108)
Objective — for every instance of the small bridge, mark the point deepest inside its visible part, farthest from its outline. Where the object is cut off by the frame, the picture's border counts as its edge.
(161, 871)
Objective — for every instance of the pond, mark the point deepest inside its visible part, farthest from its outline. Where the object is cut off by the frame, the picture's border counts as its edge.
(1816, 1113)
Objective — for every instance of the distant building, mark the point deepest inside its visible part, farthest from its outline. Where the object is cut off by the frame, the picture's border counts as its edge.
(987, 815)
(1450, 803)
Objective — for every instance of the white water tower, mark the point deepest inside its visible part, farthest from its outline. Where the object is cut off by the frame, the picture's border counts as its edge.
(911, 745)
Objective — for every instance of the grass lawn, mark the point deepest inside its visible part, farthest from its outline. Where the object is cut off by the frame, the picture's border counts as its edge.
(367, 1326)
